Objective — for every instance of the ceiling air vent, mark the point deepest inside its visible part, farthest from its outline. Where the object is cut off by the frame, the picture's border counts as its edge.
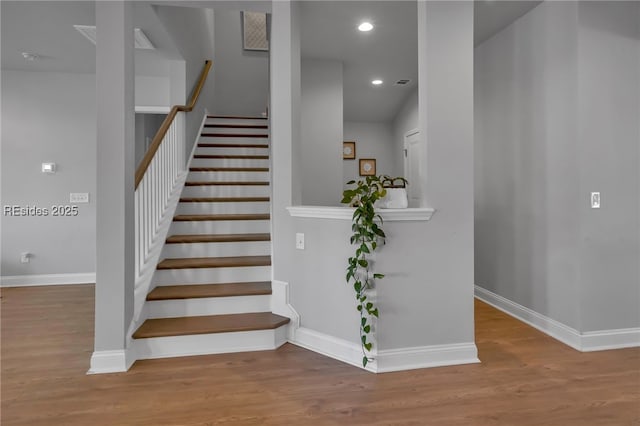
(403, 82)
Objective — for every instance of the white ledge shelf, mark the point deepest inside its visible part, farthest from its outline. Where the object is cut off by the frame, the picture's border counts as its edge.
(346, 213)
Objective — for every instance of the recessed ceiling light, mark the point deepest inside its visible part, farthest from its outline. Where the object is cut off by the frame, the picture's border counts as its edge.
(365, 26)
(376, 82)
(29, 56)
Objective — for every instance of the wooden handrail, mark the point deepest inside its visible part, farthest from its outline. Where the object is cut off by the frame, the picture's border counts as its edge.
(162, 131)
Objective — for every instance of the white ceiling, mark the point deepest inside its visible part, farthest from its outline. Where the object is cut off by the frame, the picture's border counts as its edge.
(389, 52)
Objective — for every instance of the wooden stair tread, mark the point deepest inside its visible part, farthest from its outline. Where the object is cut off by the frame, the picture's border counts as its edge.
(199, 291)
(165, 327)
(214, 262)
(206, 217)
(217, 238)
(227, 183)
(231, 156)
(237, 126)
(238, 117)
(234, 135)
(233, 145)
(223, 199)
(228, 169)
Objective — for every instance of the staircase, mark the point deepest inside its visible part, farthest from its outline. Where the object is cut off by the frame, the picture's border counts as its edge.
(211, 292)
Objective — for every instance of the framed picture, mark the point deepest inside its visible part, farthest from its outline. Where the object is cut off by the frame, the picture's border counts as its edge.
(349, 150)
(367, 167)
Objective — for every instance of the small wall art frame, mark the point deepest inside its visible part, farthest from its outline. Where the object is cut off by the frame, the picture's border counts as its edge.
(349, 150)
(367, 167)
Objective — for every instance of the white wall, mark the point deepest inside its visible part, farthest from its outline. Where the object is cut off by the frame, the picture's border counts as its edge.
(427, 297)
(48, 117)
(192, 30)
(373, 140)
(609, 158)
(556, 118)
(322, 132)
(405, 120)
(242, 76)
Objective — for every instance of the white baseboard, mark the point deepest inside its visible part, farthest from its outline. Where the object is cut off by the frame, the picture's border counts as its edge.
(333, 347)
(584, 342)
(386, 360)
(426, 357)
(117, 361)
(47, 279)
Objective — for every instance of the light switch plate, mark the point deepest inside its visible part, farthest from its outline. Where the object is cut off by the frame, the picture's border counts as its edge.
(79, 197)
(300, 241)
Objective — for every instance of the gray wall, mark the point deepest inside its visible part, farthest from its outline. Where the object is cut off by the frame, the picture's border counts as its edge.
(147, 126)
(192, 30)
(405, 120)
(556, 118)
(373, 140)
(242, 76)
(609, 158)
(48, 117)
(321, 124)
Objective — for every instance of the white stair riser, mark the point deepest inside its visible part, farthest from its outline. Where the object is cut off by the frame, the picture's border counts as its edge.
(229, 162)
(236, 121)
(226, 191)
(202, 344)
(223, 208)
(228, 176)
(252, 248)
(231, 151)
(209, 306)
(220, 227)
(212, 275)
(235, 140)
(252, 131)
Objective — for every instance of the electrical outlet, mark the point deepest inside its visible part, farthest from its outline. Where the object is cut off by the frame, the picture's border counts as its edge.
(300, 241)
(595, 200)
(79, 197)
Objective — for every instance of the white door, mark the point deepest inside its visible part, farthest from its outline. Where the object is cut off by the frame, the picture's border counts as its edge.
(412, 166)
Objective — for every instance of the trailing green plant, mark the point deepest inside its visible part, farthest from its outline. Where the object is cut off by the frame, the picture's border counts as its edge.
(367, 235)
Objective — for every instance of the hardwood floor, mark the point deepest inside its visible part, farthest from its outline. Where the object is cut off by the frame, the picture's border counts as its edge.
(525, 378)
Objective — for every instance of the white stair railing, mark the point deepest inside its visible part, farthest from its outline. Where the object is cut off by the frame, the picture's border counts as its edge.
(158, 182)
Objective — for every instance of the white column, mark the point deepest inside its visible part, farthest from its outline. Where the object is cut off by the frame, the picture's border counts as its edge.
(115, 185)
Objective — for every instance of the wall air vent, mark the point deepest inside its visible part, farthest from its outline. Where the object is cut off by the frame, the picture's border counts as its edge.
(255, 31)
(140, 38)
(402, 82)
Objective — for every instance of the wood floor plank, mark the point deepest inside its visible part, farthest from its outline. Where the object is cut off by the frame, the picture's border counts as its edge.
(232, 145)
(199, 291)
(228, 169)
(217, 238)
(214, 262)
(210, 324)
(232, 156)
(525, 379)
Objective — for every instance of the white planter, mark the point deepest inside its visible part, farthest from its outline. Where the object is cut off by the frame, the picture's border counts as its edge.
(396, 198)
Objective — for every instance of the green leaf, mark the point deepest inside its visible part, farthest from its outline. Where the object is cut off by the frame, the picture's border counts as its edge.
(365, 360)
(369, 305)
(363, 263)
(359, 307)
(363, 321)
(374, 312)
(357, 286)
(364, 248)
(364, 339)
(351, 182)
(367, 328)
(378, 276)
(368, 346)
